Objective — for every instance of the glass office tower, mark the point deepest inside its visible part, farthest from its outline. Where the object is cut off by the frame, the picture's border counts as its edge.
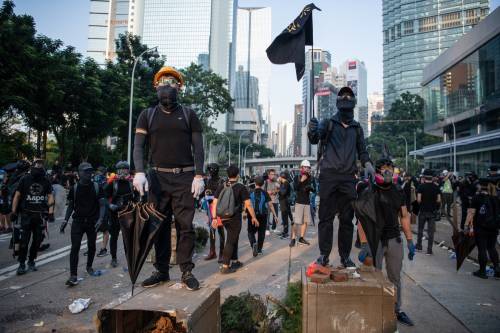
(415, 32)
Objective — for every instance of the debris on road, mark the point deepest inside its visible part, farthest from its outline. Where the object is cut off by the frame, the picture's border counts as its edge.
(40, 324)
(484, 304)
(99, 272)
(79, 305)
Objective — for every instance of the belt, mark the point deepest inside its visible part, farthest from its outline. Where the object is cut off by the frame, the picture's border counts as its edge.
(174, 170)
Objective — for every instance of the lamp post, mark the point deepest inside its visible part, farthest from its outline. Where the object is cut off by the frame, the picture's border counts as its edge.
(129, 145)
(239, 149)
(454, 144)
(406, 152)
(229, 148)
(245, 158)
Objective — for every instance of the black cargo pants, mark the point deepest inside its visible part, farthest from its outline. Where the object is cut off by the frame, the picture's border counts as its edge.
(31, 229)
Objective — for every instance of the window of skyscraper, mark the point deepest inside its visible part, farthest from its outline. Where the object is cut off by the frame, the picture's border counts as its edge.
(408, 27)
(428, 24)
(451, 20)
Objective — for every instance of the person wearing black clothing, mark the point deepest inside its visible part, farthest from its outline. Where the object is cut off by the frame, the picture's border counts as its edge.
(428, 198)
(342, 143)
(87, 207)
(284, 202)
(119, 193)
(261, 203)
(34, 203)
(175, 145)
(483, 222)
(212, 184)
(303, 187)
(233, 224)
(466, 190)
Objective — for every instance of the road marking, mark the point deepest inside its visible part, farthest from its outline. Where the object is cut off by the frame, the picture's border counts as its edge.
(44, 258)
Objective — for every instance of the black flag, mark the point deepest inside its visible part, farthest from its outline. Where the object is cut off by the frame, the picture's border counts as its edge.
(289, 46)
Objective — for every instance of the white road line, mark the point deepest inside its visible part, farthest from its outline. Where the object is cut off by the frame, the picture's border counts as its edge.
(47, 257)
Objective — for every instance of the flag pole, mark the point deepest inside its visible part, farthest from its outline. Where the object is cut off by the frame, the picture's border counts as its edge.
(312, 81)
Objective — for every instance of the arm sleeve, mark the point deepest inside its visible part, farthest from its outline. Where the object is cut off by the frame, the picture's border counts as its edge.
(139, 141)
(315, 136)
(197, 142)
(361, 147)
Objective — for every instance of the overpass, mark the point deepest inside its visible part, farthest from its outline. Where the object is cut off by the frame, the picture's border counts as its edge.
(287, 162)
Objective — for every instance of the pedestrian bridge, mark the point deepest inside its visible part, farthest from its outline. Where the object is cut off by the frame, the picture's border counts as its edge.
(286, 162)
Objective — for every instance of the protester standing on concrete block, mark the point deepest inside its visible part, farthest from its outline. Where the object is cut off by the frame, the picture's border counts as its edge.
(175, 177)
(341, 144)
(391, 208)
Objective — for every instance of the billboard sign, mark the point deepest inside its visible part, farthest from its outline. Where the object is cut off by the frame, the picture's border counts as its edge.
(351, 65)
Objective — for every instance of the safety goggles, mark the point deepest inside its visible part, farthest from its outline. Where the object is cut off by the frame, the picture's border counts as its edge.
(346, 97)
(168, 80)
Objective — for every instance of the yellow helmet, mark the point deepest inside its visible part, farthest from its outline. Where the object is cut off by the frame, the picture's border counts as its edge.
(170, 71)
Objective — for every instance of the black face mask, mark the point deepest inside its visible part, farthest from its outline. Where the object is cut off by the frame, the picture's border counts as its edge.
(167, 96)
(85, 177)
(37, 172)
(346, 115)
(346, 109)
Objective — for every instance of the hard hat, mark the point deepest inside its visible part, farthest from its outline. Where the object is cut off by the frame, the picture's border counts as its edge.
(445, 172)
(168, 71)
(305, 163)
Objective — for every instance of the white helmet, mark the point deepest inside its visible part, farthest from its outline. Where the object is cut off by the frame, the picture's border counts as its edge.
(445, 173)
(305, 163)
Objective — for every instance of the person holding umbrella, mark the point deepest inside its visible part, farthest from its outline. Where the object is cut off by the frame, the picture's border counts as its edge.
(341, 143)
(175, 145)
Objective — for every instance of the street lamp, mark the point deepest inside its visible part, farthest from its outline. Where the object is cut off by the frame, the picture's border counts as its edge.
(129, 146)
(406, 153)
(229, 148)
(454, 145)
(245, 158)
(239, 149)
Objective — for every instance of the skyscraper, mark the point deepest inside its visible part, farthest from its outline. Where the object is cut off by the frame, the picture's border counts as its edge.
(246, 90)
(108, 19)
(416, 32)
(375, 108)
(297, 129)
(253, 35)
(355, 75)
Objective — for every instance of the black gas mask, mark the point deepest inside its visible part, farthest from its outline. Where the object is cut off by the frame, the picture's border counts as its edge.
(346, 101)
(167, 95)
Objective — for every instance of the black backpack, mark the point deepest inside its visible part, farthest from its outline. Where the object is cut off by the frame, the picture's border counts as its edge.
(486, 216)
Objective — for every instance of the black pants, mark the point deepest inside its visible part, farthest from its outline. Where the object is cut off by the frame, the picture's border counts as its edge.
(219, 230)
(78, 229)
(336, 196)
(171, 193)
(286, 212)
(272, 225)
(486, 244)
(31, 229)
(233, 228)
(114, 232)
(429, 219)
(260, 231)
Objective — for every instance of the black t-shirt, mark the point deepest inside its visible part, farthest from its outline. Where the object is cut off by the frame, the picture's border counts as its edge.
(303, 190)
(170, 137)
(34, 193)
(267, 198)
(429, 192)
(87, 201)
(389, 205)
(119, 191)
(240, 195)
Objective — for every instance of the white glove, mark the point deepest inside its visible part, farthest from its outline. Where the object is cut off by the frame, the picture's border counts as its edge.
(197, 187)
(141, 183)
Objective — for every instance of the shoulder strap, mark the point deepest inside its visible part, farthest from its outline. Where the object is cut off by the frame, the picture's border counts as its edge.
(262, 201)
(96, 189)
(252, 199)
(150, 113)
(74, 192)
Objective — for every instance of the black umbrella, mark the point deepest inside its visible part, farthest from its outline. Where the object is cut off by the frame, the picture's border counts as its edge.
(365, 209)
(464, 244)
(139, 224)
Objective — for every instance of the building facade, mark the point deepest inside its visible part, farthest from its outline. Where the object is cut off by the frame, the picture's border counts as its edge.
(355, 75)
(297, 129)
(246, 90)
(417, 32)
(375, 109)
(461, 91)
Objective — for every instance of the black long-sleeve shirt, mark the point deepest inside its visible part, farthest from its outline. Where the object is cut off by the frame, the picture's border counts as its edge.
(174, 142)
(345, 145)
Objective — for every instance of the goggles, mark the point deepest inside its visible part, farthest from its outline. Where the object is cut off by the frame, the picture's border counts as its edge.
(167, 80)
(346, 97)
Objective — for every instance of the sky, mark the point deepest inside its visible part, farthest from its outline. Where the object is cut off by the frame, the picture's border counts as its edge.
(352, 31)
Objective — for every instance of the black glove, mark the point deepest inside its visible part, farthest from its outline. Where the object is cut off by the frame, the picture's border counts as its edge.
(63, 226)
(370, 170)
(313, 125)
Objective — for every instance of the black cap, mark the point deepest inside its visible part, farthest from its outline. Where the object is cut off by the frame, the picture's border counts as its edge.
(344, 90)
(85, 166)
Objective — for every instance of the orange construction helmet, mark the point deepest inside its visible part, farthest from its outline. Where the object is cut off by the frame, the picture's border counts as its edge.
(168, 71)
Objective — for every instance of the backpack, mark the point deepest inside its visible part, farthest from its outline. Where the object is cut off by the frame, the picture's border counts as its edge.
(96, 188)
(115, 189)
(487, 215)
(226, 203)
(259, 205)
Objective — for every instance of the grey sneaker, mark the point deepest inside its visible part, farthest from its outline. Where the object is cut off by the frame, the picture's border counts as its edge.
(155, 279)
(190, 281)
(72, 281)
(114, 263)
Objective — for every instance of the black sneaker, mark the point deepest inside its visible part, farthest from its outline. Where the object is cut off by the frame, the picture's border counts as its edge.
(284, 235)
(90, 271)
(255, 251)
(480, 274)
(102, 253)
(323, 260)
(227, 270)
(190, 281)
(155, 279)
(347, 263)
(43, 247)
(418, 248)
(21, 269)
(404, 319)
(72, 281)
(114, 263)
(236, 264)
(303, 241)
(292, 243)
(429, 253)
(32, 266)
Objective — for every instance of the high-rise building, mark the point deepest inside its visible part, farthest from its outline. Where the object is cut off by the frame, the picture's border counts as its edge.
(375, 108)
(108, 19)
(285, 133)
(297, 129)
(417, 32)
(246, 90)
(253, 35)
(355, 75)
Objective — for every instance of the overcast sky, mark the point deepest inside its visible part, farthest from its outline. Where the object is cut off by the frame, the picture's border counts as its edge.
(347, 29)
